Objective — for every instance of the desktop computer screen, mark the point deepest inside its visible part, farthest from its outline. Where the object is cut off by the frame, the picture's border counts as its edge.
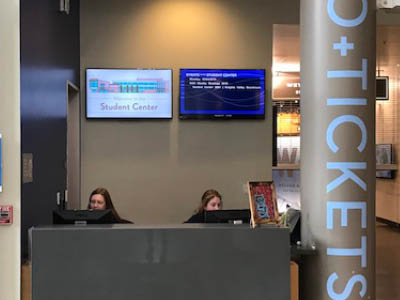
(83, 217)
(233, 216)
(293, 219)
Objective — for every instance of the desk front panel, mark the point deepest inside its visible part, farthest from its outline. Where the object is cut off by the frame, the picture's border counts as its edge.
(195, 262)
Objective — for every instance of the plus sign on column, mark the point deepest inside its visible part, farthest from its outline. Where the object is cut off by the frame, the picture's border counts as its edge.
(343, 46)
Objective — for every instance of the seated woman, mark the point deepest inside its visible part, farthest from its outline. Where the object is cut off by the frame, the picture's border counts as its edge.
(211, 200)
(100, 199)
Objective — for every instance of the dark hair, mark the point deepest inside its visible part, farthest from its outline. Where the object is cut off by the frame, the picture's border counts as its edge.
(109, 205)
(207, 196)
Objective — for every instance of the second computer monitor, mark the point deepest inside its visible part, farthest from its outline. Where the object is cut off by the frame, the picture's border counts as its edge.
(233, 216)
(83, 217)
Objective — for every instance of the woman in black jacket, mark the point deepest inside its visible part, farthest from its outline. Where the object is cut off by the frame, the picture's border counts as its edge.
(211, 200)
(100, 199)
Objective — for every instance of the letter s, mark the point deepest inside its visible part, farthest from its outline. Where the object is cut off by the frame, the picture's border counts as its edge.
(349, 286)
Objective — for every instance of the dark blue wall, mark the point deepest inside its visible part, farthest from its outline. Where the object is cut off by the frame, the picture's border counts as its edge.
(49, 57)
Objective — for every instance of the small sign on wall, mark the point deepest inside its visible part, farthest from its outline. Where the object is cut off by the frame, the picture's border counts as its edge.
(27, 167)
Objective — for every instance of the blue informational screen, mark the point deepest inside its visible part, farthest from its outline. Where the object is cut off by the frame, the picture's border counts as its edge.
(223, 93)
(128, 93)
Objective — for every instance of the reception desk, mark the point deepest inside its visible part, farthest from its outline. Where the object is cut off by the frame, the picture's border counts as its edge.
(180, 262)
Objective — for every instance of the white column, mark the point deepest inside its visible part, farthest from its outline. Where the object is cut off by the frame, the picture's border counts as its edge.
(11, 144)
(338, 148)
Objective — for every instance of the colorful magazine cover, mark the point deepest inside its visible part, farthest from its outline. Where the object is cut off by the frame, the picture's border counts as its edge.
(263, 204)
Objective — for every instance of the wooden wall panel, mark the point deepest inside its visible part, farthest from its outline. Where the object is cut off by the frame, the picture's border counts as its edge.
(387, 118)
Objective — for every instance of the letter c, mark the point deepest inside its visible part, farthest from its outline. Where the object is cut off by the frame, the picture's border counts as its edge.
(347, 23)
(344, 119)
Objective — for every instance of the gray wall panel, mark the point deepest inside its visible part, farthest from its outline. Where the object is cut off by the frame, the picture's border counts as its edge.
(157, 170)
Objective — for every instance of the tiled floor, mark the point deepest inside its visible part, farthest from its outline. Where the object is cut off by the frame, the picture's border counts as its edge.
(387, 262)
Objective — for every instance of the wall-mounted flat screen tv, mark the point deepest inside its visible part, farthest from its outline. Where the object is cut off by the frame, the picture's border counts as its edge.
(382, 88)
(128, 93)
(221, 94)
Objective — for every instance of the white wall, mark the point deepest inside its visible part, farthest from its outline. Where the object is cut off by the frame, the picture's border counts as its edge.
(10, 130)
(156, 171)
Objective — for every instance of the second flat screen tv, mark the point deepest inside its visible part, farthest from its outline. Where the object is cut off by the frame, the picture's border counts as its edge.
(222, 94)
(128, 93)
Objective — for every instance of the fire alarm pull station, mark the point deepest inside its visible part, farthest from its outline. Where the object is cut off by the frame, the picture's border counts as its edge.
(6, 214)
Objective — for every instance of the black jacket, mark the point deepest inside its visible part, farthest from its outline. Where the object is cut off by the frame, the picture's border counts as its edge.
(197, 218)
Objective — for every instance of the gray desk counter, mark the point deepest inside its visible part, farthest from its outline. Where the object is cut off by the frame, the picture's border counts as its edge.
(180, 262)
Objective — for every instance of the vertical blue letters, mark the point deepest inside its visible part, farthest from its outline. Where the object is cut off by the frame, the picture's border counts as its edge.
(344, 207)
(346, 119)
(352, 251)
(347, 23)
(347, 174)
(352, 73)
(349, 286)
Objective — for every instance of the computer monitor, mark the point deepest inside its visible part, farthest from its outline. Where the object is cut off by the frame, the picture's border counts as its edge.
(293, 219)
(233, 216)
(83, 217)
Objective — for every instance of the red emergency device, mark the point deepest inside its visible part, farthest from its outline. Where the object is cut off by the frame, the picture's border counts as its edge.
(6, 214)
